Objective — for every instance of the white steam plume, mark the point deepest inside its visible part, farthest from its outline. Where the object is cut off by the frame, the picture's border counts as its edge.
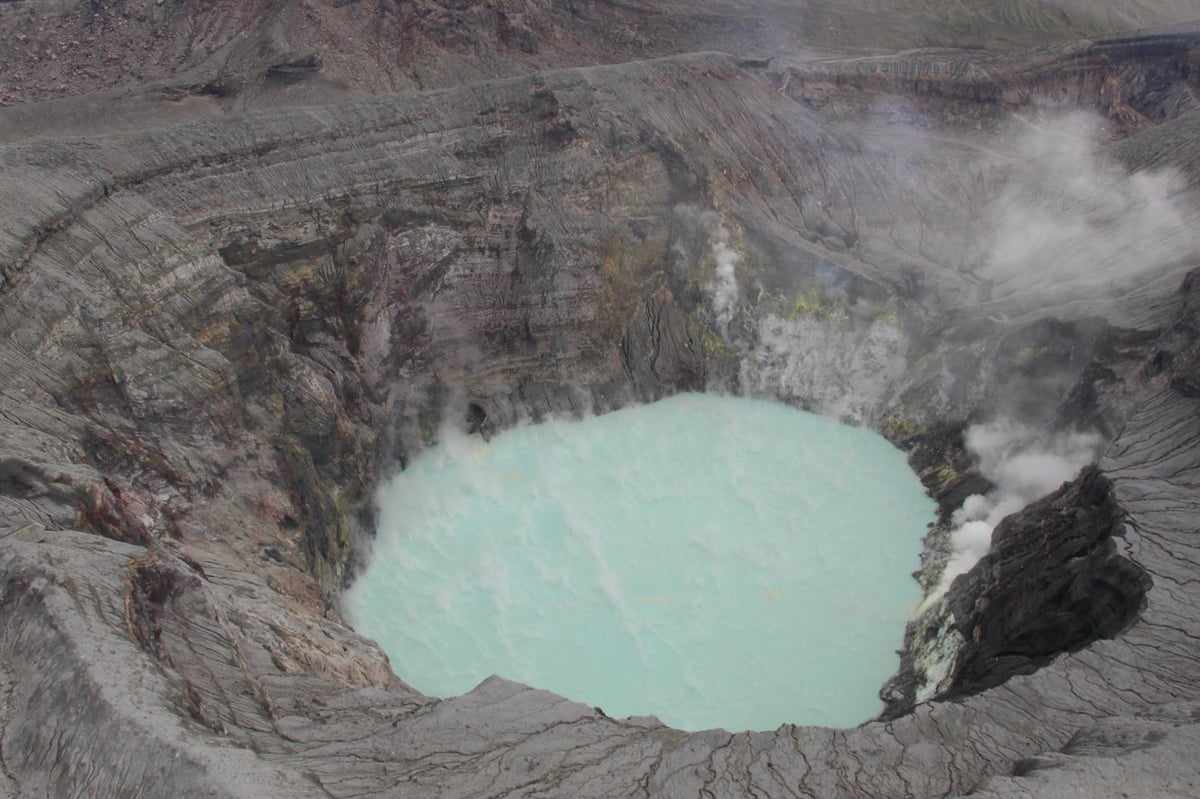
(1069, 229)
(701, 225)
(1072, 225)
(724, 288)
(1022, 466)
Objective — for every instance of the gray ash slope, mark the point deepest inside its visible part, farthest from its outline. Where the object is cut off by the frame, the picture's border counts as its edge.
(220, 328)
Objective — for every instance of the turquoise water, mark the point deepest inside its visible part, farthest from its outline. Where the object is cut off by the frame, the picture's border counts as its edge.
(713, 561)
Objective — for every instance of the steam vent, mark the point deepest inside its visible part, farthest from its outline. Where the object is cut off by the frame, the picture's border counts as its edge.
(259, 258)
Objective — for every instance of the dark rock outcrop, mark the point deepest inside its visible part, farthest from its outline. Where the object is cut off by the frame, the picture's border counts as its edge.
(1053, 582)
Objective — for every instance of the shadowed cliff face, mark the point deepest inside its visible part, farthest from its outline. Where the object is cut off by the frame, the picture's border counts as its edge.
(222, 328)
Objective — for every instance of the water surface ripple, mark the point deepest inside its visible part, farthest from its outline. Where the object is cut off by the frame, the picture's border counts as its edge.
(713, 561)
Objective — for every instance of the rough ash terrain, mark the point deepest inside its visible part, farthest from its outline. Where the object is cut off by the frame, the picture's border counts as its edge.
(248, 269)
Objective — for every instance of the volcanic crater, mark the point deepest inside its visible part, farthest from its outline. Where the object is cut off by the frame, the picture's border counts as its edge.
(247, 278)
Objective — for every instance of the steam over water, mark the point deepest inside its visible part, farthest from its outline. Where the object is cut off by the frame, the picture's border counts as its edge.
(713, 561)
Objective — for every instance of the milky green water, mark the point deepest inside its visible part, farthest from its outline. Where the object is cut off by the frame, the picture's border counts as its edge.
(713, 561)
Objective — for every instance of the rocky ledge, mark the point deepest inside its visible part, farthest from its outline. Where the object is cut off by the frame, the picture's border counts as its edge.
(220, 330)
